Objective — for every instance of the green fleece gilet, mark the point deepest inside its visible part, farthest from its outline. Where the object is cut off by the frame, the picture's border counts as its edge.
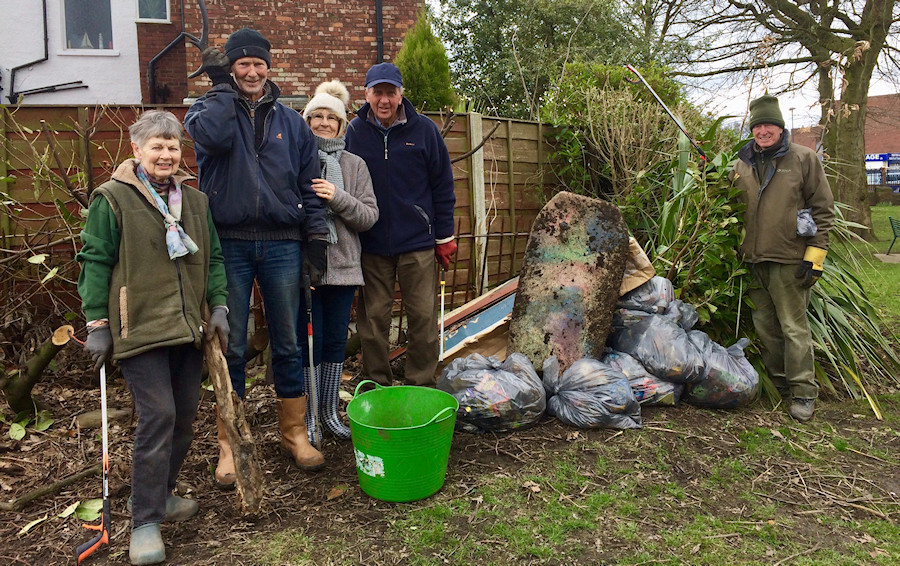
(155, 301)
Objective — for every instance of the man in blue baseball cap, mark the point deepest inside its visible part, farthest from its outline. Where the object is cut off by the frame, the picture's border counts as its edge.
(413, 182)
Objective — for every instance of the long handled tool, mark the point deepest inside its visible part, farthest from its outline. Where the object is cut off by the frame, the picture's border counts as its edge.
(313, 386)
(102, 537)
(443, 288)
(666, 108)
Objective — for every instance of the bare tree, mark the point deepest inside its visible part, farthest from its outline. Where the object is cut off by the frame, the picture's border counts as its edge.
(837, 44)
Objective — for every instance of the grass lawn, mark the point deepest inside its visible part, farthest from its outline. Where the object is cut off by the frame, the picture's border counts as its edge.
(881, 280)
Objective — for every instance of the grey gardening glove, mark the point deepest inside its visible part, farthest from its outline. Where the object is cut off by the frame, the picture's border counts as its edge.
(99, 345)
(216, 65)
(218, 326)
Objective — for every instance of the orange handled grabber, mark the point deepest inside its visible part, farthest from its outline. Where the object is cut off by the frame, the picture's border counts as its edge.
(102, 537)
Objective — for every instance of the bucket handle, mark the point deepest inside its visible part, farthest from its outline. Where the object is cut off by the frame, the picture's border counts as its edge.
(440, 414)
(366, 381)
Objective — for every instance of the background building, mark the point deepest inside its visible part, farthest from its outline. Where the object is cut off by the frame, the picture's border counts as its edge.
(882, 140)
(88, 52)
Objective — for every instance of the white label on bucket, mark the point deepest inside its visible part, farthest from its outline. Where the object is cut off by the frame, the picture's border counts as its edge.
(369, 465)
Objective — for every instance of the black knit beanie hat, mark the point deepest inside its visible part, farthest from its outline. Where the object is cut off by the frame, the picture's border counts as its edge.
(248, 42)
(764, 110)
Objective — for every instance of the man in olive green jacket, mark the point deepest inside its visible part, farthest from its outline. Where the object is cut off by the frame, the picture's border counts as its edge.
(790, 211)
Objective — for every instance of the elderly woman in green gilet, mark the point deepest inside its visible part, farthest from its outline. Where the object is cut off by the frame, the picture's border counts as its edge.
(150, 260)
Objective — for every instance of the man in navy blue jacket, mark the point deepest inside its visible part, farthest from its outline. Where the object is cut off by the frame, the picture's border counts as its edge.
(257, 159)
(413, 182)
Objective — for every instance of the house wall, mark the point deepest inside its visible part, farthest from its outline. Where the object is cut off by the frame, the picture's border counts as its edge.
(111, 76)
(882, 126)
(312, 41)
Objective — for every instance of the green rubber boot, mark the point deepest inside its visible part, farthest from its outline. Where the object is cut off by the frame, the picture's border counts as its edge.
(147, 545)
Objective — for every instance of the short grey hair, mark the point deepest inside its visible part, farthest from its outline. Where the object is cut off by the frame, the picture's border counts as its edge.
(156, 124)
(400, 88)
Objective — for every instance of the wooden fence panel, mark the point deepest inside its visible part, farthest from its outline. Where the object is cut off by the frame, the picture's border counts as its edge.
(493, 213)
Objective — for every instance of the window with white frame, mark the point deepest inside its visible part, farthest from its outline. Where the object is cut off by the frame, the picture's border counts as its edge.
(153, 11)
(88, 24)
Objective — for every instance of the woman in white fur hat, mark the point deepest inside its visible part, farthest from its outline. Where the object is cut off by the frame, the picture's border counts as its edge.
(347, 189)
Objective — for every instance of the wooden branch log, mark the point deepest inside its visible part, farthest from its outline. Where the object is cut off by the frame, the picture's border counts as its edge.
(18, 503)
(231, 411)
(18, 386)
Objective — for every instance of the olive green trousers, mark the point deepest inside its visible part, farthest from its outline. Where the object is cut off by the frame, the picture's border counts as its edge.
(781, 321)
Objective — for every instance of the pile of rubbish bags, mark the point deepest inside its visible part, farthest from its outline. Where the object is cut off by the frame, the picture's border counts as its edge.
(655, 358)
(655, 329)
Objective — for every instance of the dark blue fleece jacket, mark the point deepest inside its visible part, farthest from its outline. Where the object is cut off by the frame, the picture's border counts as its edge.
(413, 181)
(255, 192)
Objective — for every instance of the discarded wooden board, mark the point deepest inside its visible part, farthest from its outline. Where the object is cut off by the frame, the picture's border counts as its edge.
(480, 326)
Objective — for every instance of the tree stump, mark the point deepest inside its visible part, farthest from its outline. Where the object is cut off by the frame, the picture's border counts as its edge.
(17, 386)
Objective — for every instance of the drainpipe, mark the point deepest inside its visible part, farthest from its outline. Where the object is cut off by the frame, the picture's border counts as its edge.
(379, 31)
(14, 94)
(151, 66)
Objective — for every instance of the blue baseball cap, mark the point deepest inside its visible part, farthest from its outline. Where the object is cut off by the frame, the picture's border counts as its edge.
(384, 73)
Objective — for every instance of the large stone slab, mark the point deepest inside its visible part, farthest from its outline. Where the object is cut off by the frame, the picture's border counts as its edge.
(570, 279)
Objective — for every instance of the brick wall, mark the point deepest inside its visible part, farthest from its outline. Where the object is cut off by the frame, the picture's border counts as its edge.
(170, 70)
(312, 41)
(882, 126)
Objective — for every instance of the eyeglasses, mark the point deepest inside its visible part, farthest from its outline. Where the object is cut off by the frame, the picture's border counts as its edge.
(322, 117)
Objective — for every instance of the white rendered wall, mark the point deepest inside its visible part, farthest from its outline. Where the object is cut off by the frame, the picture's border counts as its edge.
(112, 76)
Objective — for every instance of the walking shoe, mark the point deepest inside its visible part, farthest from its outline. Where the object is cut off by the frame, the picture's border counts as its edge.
(180, 508)
(802, 409)
(177, 508)
(146, 545)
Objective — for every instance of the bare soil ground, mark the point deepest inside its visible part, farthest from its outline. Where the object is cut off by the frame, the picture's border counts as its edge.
(681, 445)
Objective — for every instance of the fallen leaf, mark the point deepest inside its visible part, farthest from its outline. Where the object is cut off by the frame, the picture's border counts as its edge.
(776, 434)
(696, 549)
(69, 510)
(336, 491)
(28, 527)
(532, 486)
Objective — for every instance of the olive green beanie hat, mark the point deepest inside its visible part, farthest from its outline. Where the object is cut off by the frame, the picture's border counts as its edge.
(764, 110)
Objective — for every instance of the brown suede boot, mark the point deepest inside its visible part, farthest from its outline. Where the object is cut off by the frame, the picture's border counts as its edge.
(225, 476)
(292, 422)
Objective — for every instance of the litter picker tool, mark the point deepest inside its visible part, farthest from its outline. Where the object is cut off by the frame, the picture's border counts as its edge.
(666, 108)
(443, 288)
(313, 386)
(102, 537)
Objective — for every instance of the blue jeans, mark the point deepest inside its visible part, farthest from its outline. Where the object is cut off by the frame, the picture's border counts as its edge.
(277, 266)
(331, 315)
(165, 385)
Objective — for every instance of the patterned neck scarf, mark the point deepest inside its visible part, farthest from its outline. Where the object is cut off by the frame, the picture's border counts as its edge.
(178, 243)
(330, 150)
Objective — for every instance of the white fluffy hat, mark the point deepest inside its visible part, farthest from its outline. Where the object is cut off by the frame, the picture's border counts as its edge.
(330, 95)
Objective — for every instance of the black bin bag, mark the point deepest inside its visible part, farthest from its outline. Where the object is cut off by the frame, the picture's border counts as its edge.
(494, 396)
(662, 347)
(729, 380)
(590, 394)
(647, 389)
(652, 297)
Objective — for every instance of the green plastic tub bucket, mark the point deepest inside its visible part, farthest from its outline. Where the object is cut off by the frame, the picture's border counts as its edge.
(401, 438)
